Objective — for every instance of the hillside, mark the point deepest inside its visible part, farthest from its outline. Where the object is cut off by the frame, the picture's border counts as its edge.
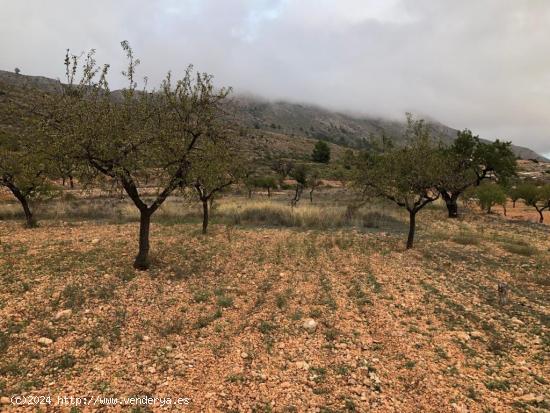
(282, 120)
(343, 129)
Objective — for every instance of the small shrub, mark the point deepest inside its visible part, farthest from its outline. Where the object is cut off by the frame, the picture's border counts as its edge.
(201, 296)
(225, 301)
(410, 364)
(73, 296)
(266, 327)
(62, 362)
(498, 385)
(471, 393)
(175, 325)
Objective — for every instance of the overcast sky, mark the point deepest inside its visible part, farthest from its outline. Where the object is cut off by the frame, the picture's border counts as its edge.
(481, 64)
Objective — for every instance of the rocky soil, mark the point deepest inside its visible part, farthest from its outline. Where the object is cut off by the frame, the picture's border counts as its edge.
(278, 320)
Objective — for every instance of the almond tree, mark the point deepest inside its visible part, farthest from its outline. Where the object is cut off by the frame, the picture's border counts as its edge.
(135, 136)
(24, 174)
(537, 197)
(267, 182)
(489, 195)
(214, 169)
(407, 176)
(468, 162)
(24, 168)
(299, 174)
(313, 182)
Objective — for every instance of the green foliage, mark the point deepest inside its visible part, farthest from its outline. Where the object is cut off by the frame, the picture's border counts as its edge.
(25, 167)
(407, 176)
(321, 152)
(265, 182)
(300, 174)
(468, 161)
(534, 196)
(489, 195)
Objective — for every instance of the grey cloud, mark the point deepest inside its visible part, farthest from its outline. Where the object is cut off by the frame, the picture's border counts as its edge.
(478, 64)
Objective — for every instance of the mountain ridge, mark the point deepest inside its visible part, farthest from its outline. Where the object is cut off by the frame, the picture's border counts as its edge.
(300, 119)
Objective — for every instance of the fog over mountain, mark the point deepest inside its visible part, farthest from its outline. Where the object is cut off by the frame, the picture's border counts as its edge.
(482, 65)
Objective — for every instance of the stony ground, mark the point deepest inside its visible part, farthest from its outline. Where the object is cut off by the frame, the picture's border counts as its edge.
(279, 320)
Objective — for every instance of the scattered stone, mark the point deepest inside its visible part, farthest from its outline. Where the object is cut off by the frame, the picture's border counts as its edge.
(151, 370)
(516, 321)
(476, 334)
(462, 335)
(244, 355)
(310, 325)
(302, 365)
(531, 398)
(45, 341)
(95, 241)
(459, 408)
(63, 313)
(4, 400)
(374, 377)
(146, 338)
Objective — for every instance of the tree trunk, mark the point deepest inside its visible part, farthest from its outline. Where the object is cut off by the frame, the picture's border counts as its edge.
(451, 203)
(204, 215)
(297, 195)
(71, 183)
(29, 218)
(541, 219)
(412, 229)
(513, 203)
(311, 196)
(142, 259)
(269, 192)
(250, 193)
(30, 221)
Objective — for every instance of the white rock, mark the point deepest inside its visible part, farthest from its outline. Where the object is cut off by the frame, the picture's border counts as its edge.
(476, 334)
(63, 313)
(530, 398)
(459, 408)
(302, 365)
(462, 335)
(45, 341)
(95, 241)
(310, 324)
(4, 400)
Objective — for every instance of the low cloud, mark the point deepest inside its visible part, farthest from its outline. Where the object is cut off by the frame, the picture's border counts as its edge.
(482, 65)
